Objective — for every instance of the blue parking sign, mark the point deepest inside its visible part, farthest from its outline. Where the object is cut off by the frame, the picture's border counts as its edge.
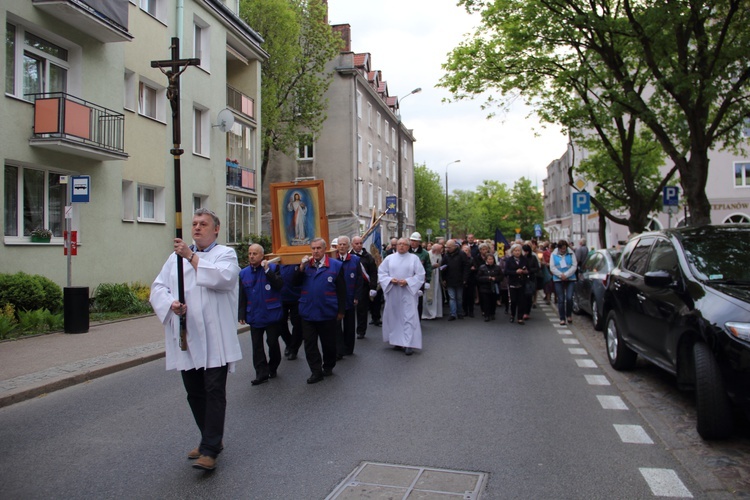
(581, 203)
(671, 196)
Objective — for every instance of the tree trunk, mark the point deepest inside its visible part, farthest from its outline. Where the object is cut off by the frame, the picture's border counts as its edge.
(693, 178)
(602, 230)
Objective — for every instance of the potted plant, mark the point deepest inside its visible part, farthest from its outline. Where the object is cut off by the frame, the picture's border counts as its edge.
(41, 235)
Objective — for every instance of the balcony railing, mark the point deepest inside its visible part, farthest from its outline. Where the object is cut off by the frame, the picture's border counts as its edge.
(240, 177)
(66, 123)
(240, 102)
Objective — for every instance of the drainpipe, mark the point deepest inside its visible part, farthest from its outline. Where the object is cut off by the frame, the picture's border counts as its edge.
(180, 23)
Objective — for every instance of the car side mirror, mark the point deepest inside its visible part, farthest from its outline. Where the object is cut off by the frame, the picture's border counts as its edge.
(658, 279)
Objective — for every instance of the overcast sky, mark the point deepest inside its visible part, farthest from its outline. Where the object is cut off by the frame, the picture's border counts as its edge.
(408, 41)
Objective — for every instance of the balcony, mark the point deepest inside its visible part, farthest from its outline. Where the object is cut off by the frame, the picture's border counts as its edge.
(104, 20)
(240, 102)
(71, 125)
(241, 178)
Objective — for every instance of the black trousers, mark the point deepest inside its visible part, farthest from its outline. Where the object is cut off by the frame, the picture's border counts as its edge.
(262, 366)
(326, 332)
(362, 308)
(345, 340)
(293, 339)
(376, 305)
(207, 397)
(469, 296)
(489, 303)
(517, 302)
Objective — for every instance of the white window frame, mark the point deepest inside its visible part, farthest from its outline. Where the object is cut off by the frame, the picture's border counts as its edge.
(159, 215)
(744, 170)
(305, 150)
(201, 131)
(159, 96)
(386, 128)
(131, 91)
(369, 155)
(387, 167)
(395, 170)
(359, 148)
(369, 115)
(71, 65)
(393, 139)
(359, 104)
(370, 195)
(244, 206)
(202, 43)
(379, 161)
(359, 191)
(378, 123)
(20, 191)
(380, 200)
(155, 8)
(405, 149)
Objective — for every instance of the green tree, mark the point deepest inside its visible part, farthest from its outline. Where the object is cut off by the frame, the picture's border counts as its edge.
(429, 199)
(294, 78)
(689, 55)
(527, 208)
(494, 206)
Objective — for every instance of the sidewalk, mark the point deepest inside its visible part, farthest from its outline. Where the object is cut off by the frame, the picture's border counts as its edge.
(33, 366)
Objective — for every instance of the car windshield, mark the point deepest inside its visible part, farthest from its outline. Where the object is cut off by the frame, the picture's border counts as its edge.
(719, 255)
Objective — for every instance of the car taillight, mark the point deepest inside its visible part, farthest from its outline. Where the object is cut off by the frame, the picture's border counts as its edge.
(605, 280)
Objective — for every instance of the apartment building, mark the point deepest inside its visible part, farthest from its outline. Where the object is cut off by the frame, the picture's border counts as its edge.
(356, 153)
(728, 190)
(83, 104)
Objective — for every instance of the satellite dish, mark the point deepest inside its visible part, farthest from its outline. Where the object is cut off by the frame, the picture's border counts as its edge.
(225, 120)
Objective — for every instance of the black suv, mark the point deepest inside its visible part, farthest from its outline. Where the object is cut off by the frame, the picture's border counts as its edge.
(681, 299)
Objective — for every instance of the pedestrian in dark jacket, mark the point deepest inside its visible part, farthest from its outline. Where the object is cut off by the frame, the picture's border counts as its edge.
(517, 271)
(489, 278)
(369, 287)
(535, 270)
(455, 273)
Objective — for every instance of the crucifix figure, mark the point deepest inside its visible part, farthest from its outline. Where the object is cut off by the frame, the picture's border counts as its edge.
(176, 67)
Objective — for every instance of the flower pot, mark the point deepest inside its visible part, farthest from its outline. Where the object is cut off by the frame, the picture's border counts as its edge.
(40, 239)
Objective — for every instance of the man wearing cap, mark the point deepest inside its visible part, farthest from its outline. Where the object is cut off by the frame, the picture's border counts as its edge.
(415, 241)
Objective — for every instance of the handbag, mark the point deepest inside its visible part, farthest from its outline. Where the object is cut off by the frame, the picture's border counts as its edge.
(529, 287)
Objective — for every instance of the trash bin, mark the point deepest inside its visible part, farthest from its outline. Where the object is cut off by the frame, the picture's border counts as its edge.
(76, 309)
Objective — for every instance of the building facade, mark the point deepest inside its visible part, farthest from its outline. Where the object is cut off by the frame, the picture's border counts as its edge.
(86, 103)
(356, 153)
(728, 190)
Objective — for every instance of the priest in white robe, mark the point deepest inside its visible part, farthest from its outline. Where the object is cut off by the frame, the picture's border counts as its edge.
(210, 274)
(401, 276)
(433, 296)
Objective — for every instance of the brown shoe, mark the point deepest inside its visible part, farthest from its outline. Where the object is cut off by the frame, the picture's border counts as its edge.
(194, 454)
(205, 462)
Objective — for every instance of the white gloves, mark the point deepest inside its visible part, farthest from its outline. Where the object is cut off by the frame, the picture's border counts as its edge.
(373, 293)
(426, 286)
(419, 293)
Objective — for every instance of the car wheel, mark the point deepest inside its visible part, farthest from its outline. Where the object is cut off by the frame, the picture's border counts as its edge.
(576, 304)
(713, 409)
(621, 357)
(596, 318)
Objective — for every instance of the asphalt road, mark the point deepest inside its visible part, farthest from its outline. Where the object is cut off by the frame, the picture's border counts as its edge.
(516, 402)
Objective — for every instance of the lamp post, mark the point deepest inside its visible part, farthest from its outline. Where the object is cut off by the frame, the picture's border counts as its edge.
(447, 223)
(400, 210)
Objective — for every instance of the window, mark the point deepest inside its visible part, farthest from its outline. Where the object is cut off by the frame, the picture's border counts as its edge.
(393, 138)
(152, 100)
(377, 123)
(663, 258)
(379, 162)
(240, 144)
(128, 198)
(386, 167)
(240, 217)
(741, 174)
(369, 155)
(305, 147)
(637, 259)
(33, 64)
(199, 201)
(201, 129)
(359, 148)
(201, 43)
(405, 148)
(746, 128)
(395, 175)
(386, 132)
(130, 90)
(150, 204)
(155, 8)
(380, 200)
(33, 198)
(737, 219)
(369, 195)
(359, 104)
(359, 191)
(369, 115)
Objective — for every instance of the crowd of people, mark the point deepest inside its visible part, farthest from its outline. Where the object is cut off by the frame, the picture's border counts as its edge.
(323, 304)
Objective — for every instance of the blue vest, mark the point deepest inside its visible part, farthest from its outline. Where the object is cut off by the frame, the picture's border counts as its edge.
(353, 279)
(263, 306)
(318, 300)
(290, 292)
(568, 260)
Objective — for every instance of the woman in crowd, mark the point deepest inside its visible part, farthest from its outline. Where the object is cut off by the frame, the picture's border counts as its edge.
(517, 271)
(530, 286)
(562, 265)
(489, 277)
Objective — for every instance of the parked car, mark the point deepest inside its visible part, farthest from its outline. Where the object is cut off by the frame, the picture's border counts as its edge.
(681, 299)
(588, 294)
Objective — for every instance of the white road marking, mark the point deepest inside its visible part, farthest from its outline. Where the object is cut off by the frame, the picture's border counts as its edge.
(596, 380)
(586, 363)
(577, 351)
(633, 434)
(612, 403)
(571, 341)
(665, 483)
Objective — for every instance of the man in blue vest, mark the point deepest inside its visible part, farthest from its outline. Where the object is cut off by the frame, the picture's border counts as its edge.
(322, 303)
(353, 279)
(290, 303)
(260, 307)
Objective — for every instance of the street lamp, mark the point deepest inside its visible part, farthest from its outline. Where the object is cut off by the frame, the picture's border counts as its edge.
(447, 224)
(400, 214)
